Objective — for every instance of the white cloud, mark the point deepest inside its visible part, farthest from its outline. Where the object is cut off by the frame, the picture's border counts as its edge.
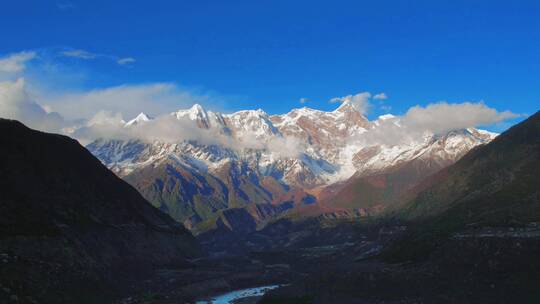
(126, 60)
(303, 100)
(16, 104)
(285, 147)
(82, 54)
(106, 118)
(86, 55)
(129, 100)
(164, 128)
(99, 113)
(443, 116)
(170, 129)
(16, 62)
(359, 101)
(435, 118)
(380, 96)
(103, 110)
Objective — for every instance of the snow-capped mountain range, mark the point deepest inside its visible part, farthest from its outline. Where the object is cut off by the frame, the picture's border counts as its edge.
(259, 158)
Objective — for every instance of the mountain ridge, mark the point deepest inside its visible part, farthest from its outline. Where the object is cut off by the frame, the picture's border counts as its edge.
(259, 158)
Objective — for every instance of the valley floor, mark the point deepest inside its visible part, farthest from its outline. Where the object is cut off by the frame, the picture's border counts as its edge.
(485, 265)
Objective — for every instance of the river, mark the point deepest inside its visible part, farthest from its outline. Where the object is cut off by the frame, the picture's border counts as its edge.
(229, 297)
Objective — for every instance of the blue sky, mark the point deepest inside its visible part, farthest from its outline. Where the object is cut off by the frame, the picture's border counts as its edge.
(270, 54)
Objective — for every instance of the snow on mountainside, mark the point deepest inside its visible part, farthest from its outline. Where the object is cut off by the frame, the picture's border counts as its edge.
(257, 158)
(440, 149)
(139, 119)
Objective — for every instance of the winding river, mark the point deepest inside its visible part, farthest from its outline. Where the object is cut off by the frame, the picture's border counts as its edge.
(230, 297)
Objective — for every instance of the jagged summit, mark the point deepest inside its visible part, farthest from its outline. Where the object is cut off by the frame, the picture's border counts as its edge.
(193, 112)
(142, 117)
(346, 106)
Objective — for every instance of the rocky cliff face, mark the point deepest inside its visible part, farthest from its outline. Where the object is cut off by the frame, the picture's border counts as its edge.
(253, 158)
(71, 229)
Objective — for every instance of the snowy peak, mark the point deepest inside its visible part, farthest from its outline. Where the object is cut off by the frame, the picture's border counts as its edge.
(193, 113)
(304, 147)
(142, 117)
(257, 158)
(326, 131)
(346, 106)
(251, 122)
(443, 150)
(196, 113)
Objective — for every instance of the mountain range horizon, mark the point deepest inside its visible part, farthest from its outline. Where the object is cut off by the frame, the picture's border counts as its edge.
(282, 162)
(269, 152)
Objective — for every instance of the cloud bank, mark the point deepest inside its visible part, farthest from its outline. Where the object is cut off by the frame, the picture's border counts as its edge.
(435, 118)
(170, 129)
(380, 96)
(442, 116)
(16, 62)
(102, 113)
(91, 114)
(129, 100)
(16, 104)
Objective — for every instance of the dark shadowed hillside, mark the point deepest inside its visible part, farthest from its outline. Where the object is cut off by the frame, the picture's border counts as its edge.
(69, 228)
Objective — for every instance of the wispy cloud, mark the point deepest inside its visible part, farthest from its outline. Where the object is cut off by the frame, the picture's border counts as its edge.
(303, 100)
(380, 96)
(16, 62)
(87, 55)
(126, 60)
(82, 54)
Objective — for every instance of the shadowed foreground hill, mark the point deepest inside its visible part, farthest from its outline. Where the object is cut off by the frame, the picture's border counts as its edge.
(70, 230)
